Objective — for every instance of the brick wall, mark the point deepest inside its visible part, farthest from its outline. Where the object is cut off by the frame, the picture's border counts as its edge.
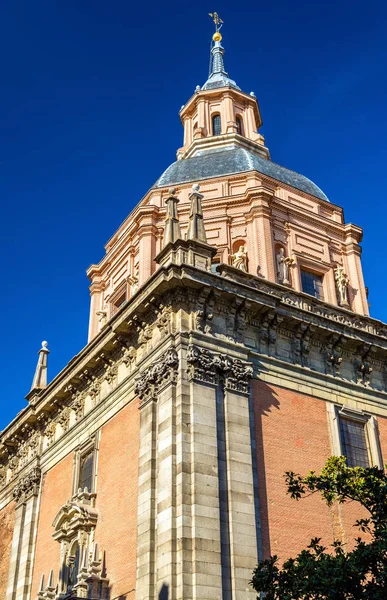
(117, 477)
(7, 521)
(57, 488)
(292, 435)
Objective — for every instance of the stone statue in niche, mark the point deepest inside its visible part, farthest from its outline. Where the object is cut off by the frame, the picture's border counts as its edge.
(283, 264)
(239, 259)
(342, 282)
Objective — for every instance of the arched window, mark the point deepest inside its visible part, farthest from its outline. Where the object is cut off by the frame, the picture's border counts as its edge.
(216, 125)
(73, 560)
(239, 124)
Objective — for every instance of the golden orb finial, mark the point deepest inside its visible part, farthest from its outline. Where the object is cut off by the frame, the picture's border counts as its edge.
(217, 37)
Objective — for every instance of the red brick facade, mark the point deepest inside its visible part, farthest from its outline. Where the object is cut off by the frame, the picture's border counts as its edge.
(117, 478)
(56, 490)
(7, 521)
(292, 434)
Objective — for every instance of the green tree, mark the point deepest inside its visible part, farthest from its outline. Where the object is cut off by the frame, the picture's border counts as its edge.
(320, 573)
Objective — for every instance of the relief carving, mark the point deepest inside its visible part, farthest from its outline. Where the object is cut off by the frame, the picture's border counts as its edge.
(362, 365)
(152, 379)
(333, 355)
(205, 366)
(27, 485)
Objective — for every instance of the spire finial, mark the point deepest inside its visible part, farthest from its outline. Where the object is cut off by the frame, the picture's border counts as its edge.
(218, 76)
(40, 378)
(172, 226)
(217, 37)
(196, 229)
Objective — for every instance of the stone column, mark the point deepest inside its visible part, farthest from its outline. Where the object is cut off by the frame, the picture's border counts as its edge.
(241, 501)
(205, 522)
(26, 494)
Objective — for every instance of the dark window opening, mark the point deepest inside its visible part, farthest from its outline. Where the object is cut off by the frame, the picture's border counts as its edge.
(312, 284)
(216, 125)
(119, 302)
(239, 124)
(354, 443)
(215, 263)
(72, 568)
(86, 465)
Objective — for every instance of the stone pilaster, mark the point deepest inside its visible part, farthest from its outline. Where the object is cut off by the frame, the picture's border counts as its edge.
(241, 501)
(205, 522)
(26, 495)
(156, 530)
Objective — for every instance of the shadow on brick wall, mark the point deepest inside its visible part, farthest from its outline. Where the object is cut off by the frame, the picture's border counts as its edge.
(264, 402)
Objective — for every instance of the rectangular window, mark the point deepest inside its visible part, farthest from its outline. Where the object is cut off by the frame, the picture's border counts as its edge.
(118, 303)
(354, 443)
(312, 284)
(86, 469)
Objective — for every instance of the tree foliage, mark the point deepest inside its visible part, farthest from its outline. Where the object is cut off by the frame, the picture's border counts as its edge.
(321, 573)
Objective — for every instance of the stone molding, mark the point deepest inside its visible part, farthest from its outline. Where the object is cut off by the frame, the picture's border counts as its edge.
(27, 486)
(236, 307)
(207, 367)
(161, 372)
(74, 517)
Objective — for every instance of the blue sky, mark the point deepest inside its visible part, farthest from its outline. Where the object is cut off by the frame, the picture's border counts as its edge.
(90, 94)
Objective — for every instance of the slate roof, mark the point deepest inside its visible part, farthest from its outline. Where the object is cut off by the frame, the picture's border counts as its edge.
(228, 161)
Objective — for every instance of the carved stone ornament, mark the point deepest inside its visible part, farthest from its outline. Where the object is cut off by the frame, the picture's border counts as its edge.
(333, 355)
(72, 518)
(204, 366)
(151, 380)
(362, 365)
(27, 486)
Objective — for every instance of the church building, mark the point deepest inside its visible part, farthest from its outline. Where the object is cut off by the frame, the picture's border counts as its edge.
(229, 341)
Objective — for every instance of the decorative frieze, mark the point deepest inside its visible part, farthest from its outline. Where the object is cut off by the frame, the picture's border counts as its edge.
(158, 374)
(27, 486)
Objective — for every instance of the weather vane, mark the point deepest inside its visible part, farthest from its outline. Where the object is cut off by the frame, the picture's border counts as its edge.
(217, 20)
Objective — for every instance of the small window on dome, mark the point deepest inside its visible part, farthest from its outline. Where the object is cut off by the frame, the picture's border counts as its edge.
(216, 125)
(239, 124)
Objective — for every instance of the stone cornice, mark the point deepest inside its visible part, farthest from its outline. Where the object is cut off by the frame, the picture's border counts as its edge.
(221, 306)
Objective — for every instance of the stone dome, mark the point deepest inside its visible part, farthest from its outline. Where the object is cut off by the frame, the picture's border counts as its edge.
(231, 160)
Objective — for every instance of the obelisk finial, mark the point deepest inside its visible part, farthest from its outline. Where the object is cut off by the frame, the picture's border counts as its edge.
(196, 229)
(40, 378)
(172, 226)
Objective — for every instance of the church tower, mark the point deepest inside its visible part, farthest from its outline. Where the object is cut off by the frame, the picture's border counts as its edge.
(229, 342)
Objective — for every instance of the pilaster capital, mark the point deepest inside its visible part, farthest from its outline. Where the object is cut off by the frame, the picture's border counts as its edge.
(27, 486)
(206, 367)
(151, 381)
